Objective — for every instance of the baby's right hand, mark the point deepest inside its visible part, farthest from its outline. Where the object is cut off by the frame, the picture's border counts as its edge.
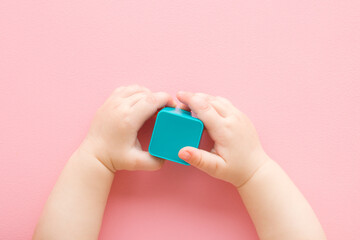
(237, 152)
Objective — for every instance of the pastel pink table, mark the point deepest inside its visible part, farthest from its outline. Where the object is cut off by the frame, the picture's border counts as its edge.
(292, 66)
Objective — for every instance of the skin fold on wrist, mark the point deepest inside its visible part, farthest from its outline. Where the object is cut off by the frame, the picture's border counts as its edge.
(87, 148)
(262, 160)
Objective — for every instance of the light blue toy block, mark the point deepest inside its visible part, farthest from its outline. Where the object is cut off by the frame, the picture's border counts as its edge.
(174, 129)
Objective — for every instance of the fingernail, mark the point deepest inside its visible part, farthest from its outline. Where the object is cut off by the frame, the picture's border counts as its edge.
(185, 155)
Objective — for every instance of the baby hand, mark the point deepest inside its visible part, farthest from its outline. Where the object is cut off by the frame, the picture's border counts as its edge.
(237, 152)
(112, 137)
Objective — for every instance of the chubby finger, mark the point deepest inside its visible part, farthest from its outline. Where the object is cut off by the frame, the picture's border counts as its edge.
(127, 91)
(220, 107)
(142, 160)
(148, 105)
(133, 99)
(204, 111)
(205, 96)
(203, 160)
(184, 107)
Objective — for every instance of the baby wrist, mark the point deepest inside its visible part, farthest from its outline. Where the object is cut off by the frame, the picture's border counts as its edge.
(258, 161)
(89, 148)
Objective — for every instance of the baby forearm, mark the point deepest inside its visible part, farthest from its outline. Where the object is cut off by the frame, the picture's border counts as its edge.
(277, 208)
(75, 207)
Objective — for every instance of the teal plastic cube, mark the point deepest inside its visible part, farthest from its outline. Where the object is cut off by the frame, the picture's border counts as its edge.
(174, 129)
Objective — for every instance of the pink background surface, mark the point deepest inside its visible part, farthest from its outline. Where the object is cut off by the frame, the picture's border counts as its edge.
(292, 66)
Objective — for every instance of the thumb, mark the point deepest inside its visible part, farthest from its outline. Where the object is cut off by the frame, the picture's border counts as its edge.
(142, 160)
(203, 160)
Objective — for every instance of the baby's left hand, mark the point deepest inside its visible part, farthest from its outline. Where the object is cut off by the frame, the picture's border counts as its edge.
(112, 138)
